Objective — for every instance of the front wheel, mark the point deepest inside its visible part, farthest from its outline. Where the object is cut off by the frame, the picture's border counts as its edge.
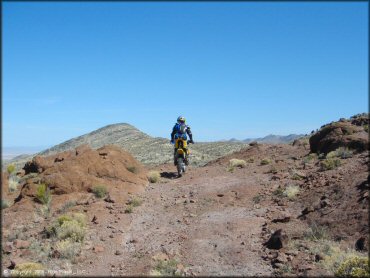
(181, 168)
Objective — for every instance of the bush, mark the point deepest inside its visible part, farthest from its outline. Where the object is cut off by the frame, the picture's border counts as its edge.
(340, 153)
(316, 232)
(310, 157)
(291, 191)
(129, 209)
(13, 184)
(354, 266)
(329, 164)
(166, 267)
(265, 161)
(10, 169)
(135, 202)
(43, 194)
(71, 230)
(99, 191)
(237, 163)
(70, 227)
(132, 169)
(250, 160)
(68, 249)
(154, 176)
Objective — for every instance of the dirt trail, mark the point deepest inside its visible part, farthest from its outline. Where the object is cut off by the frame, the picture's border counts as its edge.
(205, 220)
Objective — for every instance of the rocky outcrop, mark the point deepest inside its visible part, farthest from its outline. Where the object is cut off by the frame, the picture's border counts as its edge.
(81, 169)
(345, 133)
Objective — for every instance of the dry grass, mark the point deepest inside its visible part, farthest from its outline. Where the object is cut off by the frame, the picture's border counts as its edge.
(329, 164)
(100, 191)
(291, 191)
(68, 249)
(265, 161)
(154, 176)
(13, 184)
(43, 194)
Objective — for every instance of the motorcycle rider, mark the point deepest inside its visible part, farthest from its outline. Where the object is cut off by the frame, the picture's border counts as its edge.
(180, 130)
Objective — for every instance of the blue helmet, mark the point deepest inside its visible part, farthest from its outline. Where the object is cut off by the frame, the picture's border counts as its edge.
(181, 120)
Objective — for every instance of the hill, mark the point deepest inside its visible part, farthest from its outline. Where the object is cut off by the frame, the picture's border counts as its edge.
(271, 139)
(146, 149)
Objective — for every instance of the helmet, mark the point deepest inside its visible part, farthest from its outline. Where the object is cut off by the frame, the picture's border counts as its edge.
(181, 119)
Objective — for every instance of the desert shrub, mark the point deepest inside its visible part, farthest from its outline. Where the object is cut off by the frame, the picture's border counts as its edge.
(310, 157)
(345, 263)
(135, 202)
(166, 267)
(13, 184)
(340, 153)
(316, 232)
(329, 164)
(291, 191)
(68, 249)
(72, 227)
(154, 176)
(10, 169)
(71, 230)
(43, 194)
(44, 210)
(99, 191)
(366, 128)
(237, 163)
(63, 218)
(5, 203)
(354, 266)
(132, 169)
(129, 209)
(28, 270)
(265, 161)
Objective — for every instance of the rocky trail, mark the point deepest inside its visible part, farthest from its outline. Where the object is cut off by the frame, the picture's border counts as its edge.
(204, 223)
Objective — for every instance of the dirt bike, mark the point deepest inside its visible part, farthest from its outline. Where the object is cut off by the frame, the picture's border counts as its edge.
(182, 155)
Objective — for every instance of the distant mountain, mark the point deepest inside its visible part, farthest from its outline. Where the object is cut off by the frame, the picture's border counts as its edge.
(148, 150)
(271, 139)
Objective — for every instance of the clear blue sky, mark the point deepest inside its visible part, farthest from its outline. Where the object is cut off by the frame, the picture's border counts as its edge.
(241, 69)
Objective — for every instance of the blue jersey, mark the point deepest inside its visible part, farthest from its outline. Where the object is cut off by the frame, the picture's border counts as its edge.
(180, 131)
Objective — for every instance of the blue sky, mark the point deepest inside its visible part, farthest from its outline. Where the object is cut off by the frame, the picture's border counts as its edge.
(241, 69)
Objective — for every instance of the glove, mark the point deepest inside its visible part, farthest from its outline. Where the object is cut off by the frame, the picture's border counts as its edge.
(190, 142)
(172, 142)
